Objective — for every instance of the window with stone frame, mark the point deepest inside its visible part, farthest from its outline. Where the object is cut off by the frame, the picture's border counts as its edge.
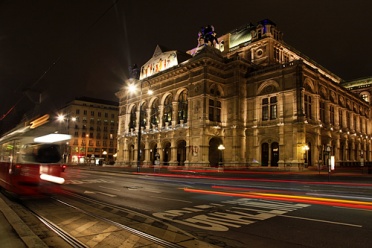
(332, 115)
(269, 108)
(308, 107)
(214, 104)
(340, 117)
(168, 109)
(322, 111)
(182, 107)
(355, 123)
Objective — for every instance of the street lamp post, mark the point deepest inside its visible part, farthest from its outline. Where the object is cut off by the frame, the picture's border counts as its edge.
(62, 118)
(86, 147)
(328, 153)
(221, 147)
(361, 160)
(139, 133)
(105, 154)
(306, 155)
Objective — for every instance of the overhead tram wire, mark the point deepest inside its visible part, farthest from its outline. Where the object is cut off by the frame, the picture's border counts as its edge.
(58, 59)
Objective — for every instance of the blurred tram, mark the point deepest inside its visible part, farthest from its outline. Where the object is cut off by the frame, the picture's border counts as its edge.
(31, 158)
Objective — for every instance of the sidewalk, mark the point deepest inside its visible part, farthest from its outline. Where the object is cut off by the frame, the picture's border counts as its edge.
(14, 232)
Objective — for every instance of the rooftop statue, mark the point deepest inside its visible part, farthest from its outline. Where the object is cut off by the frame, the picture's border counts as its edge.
(207, 36)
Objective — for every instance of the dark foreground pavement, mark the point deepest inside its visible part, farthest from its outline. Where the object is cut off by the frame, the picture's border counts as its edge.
(15, 233)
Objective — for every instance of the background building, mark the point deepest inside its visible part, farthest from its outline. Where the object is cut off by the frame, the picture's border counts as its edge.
(92, 123)
(244, 99)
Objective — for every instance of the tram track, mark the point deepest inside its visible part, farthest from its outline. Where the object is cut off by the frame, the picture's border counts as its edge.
(84, 222)
(60, 232)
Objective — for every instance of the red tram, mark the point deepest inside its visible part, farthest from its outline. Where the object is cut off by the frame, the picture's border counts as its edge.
(31, 157)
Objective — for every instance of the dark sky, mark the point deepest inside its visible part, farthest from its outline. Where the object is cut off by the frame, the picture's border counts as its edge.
(69, 48)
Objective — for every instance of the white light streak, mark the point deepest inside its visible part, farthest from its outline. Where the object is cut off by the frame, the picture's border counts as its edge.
(53, 179)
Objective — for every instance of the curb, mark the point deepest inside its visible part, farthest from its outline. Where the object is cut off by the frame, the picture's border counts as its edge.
(29, 238)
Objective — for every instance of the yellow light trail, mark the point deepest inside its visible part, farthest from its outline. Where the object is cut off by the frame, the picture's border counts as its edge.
(292, 198)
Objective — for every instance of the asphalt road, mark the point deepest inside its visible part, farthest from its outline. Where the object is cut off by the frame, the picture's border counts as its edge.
(246, 210)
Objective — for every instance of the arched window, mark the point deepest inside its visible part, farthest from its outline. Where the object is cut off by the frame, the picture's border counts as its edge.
(182, 107)
(143, 115)
(167, 114)
(154, 119)
(214, 104)
(132, 118)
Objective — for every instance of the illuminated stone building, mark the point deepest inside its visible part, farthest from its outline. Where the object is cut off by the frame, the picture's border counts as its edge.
(362, 87)
(264, 101)
(92, 123)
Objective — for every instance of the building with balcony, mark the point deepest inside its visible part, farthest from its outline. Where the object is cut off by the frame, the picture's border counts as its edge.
(93, 124)
(244, 99)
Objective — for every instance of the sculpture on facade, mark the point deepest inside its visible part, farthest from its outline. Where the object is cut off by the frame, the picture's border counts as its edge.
(207, 36)
(134, 71)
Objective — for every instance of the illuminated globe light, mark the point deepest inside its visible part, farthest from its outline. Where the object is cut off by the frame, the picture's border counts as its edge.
(60, 117)
(132, 88)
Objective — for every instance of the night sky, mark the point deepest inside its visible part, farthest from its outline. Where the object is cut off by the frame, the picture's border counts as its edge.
(63, 49)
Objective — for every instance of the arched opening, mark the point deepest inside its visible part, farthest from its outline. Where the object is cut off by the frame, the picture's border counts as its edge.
(274, 154)
(213, 150)
(181, 152)
(154, 153)
(168, 110)
(166, 153)
(182, 107)
(265, 154)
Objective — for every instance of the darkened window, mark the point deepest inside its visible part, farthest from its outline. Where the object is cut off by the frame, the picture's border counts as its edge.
(132, 118)
(355, 123)
(322, 111)
(273, 108)
(340, 116)
(154, 118)
(269, 108)
(143, 115)
(308, 107)
(332, 115)
(182, 107)
(214, 104)
(167, 114)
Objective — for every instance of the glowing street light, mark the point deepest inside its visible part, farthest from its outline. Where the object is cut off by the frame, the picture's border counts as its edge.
(221, 147)
(105, 154)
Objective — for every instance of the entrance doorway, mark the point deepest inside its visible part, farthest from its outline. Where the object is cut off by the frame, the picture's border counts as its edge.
(166, 153)
(181, 152)
(213, 151)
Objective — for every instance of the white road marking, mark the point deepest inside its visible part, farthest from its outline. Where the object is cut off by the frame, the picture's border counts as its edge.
(98, 192)
(170, 199)
(318, 220)
(109, 188)
(106, 194)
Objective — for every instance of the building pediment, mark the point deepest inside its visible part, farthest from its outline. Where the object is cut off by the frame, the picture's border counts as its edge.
(161, 60)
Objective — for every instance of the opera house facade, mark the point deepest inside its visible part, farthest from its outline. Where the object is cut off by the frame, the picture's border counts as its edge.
(245, 98)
